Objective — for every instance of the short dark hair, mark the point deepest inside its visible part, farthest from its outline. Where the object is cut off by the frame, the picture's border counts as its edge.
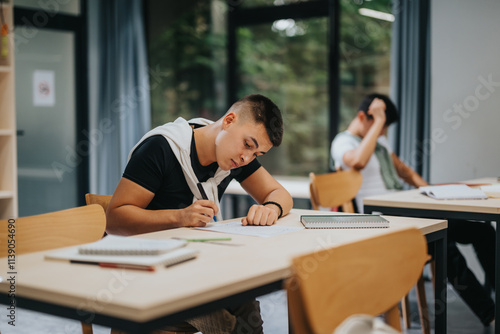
(264, 111)
(391, 112)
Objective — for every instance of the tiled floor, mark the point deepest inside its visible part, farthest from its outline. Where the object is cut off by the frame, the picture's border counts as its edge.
(460, 318)
(273, 307)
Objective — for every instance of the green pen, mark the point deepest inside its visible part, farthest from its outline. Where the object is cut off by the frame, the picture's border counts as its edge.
(208, 239)
(215, 241)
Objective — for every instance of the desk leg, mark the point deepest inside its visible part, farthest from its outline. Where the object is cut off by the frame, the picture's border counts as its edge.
(440, 285)
(497, 277)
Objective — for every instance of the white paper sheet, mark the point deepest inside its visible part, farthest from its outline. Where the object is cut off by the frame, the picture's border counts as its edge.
(492, 190)
(453, 191)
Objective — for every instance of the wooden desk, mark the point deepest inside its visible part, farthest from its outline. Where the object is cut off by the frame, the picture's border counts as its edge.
(412, 203)
(221, 276)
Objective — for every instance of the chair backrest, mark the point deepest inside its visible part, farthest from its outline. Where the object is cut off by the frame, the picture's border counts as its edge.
(335, 189)
(54, 230)
(102, 200)
(364, 277)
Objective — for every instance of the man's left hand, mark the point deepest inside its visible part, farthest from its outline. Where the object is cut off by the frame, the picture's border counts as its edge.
(260, 215)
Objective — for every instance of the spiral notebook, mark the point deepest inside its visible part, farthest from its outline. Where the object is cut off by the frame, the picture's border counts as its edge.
(343, 221)
(120, 245)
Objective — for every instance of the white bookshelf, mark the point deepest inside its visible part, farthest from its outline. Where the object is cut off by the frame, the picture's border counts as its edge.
(8, 151)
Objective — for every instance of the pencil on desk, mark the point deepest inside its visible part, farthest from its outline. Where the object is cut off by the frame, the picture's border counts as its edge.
(208, 239)
(126, 266)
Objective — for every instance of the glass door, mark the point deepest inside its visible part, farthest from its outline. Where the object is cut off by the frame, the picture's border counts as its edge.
(51, 107)
(46, 122)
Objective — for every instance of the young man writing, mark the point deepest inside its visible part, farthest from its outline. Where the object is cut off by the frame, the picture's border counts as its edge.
(363, 147)
(159, 188)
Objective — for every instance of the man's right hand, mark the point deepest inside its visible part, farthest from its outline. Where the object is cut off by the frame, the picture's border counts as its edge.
(198, 214)
(377, 109)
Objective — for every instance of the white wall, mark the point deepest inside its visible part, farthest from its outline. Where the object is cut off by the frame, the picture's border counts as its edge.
(465, 110)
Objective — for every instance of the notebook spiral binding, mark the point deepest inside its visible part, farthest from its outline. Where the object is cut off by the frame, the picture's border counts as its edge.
(343, 221)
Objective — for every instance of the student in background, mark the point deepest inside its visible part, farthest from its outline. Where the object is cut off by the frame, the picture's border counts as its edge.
(159, 188)
(364, 147)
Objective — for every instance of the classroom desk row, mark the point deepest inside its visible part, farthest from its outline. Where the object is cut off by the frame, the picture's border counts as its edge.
(221, 276)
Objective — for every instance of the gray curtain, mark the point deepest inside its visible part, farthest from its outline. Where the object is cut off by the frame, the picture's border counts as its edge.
(119, 88)
(410, 82)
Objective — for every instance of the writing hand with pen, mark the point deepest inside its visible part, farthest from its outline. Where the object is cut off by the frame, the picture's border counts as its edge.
(199, 213)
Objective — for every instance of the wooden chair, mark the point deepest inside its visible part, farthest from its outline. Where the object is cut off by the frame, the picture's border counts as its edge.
(339, 189)
(55, 230)
(335, 189)
(365, 277)
(102, 200)
(183, 328)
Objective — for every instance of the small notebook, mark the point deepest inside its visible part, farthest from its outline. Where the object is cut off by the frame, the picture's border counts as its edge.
(344, 221)
(453, 191)
(120, 245)
(144, 262)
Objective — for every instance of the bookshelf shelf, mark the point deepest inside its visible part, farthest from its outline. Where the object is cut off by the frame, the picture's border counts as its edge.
(6, 194)
(8, 136)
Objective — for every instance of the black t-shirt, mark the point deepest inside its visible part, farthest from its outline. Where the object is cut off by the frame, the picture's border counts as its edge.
(153, 165)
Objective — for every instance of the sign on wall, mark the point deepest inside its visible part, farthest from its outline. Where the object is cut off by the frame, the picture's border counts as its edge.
(43, 89)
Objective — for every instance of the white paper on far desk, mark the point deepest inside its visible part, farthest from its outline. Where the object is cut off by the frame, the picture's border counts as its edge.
(453, 191)
(492, 190)
(256, 231)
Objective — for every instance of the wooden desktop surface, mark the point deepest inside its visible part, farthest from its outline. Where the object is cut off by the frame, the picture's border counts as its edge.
(413, 199)
(219, 270)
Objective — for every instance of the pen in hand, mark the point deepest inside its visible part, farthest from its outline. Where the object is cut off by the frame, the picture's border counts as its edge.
(204, 196)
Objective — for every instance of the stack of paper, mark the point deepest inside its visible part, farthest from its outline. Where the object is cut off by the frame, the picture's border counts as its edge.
(453, 191)
(119, 245)
(127, 252)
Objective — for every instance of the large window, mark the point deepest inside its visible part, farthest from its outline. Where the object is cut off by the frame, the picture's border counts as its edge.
(286, 60)
(187, 59)
(316, 59)
(364, 53)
